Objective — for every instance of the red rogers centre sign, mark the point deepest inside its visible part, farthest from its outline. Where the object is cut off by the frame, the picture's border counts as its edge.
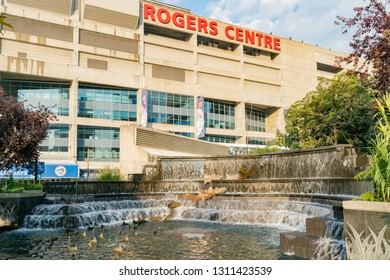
(194, 23)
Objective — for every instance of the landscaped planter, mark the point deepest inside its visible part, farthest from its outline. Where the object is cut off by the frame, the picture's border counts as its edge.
(367, 230)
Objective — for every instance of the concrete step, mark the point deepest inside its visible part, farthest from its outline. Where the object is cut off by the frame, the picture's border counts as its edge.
(310, 247)
(325, 228)
(299, 244)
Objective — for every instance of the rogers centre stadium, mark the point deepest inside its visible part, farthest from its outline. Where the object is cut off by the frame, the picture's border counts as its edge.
(132, 80)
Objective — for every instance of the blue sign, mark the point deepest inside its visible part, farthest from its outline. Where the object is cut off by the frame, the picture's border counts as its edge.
(61, 171)
(45, 171)
(23, 172)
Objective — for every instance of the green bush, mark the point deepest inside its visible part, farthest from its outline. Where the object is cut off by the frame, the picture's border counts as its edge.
(108, 173)
(266, 150)
(11, 185)
(30, 186)
(379, 169)
(368, 196)
(14, 190)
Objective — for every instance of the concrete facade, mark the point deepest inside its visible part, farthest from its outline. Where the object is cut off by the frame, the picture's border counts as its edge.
(145, 44)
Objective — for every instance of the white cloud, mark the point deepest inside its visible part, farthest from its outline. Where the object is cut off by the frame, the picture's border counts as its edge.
(311, 21)
(303, 20)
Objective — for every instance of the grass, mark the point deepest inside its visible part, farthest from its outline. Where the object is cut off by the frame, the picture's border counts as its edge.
(108, 173)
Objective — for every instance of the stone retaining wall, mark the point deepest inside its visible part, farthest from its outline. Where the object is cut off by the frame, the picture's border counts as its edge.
(14, 207)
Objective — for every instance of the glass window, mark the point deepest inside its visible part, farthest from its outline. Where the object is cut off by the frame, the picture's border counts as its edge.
(55, 132)
(39, 92)
(257, 141)
(104, 144)
(219, 114)
(220, 139)
(255, 120)
(170, 108)
(104, 101)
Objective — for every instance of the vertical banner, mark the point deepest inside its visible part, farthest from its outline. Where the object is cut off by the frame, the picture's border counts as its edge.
(144, 118)
(200, 125)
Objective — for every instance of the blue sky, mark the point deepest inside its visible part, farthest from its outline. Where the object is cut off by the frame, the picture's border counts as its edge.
(311, 21)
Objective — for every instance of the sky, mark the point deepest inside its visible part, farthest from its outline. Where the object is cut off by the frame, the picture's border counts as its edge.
(310, 21)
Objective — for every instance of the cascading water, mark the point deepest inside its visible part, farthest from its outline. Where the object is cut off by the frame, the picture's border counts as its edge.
(290, 215)
(332, 246)
(91, 214)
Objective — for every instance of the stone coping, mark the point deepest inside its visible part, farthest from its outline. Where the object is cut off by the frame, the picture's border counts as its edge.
(367, 206)
(334, 148)
(23, 194)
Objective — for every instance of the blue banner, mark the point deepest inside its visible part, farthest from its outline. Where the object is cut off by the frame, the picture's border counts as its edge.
(23, 172)
(45, 171)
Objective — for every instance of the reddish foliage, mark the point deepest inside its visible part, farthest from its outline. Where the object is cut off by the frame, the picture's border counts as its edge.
(371, 41)
(22, 130)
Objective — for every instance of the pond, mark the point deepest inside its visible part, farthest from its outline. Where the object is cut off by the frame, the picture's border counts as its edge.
(173, 240)
(205, 230)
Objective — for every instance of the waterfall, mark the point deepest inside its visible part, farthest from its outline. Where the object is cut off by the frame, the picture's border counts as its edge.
(92, 214)
(332, 245)
(286, 214)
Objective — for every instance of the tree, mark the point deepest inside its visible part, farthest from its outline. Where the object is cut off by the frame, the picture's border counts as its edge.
(22, 130)
(337, 112)
(371, 40)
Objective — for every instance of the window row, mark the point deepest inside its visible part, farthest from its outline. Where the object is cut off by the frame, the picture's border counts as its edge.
(108, 115)
(170, 100)
(257, 141)
(107, 94)
(120, 104)
(53, 95)
(220, 139)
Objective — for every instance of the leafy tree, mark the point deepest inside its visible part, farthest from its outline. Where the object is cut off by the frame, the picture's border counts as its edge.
(337, 112)
(22, 129)
(371, 40)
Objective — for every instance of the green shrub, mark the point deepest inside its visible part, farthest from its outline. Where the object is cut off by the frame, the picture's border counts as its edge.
(266, 150)
(14, 190)
(11, 185)
(368, 196)
(379, 169)
(29, 186)
(108, 173)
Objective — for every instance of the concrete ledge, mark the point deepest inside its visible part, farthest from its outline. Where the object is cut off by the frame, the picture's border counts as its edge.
(367, 206)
